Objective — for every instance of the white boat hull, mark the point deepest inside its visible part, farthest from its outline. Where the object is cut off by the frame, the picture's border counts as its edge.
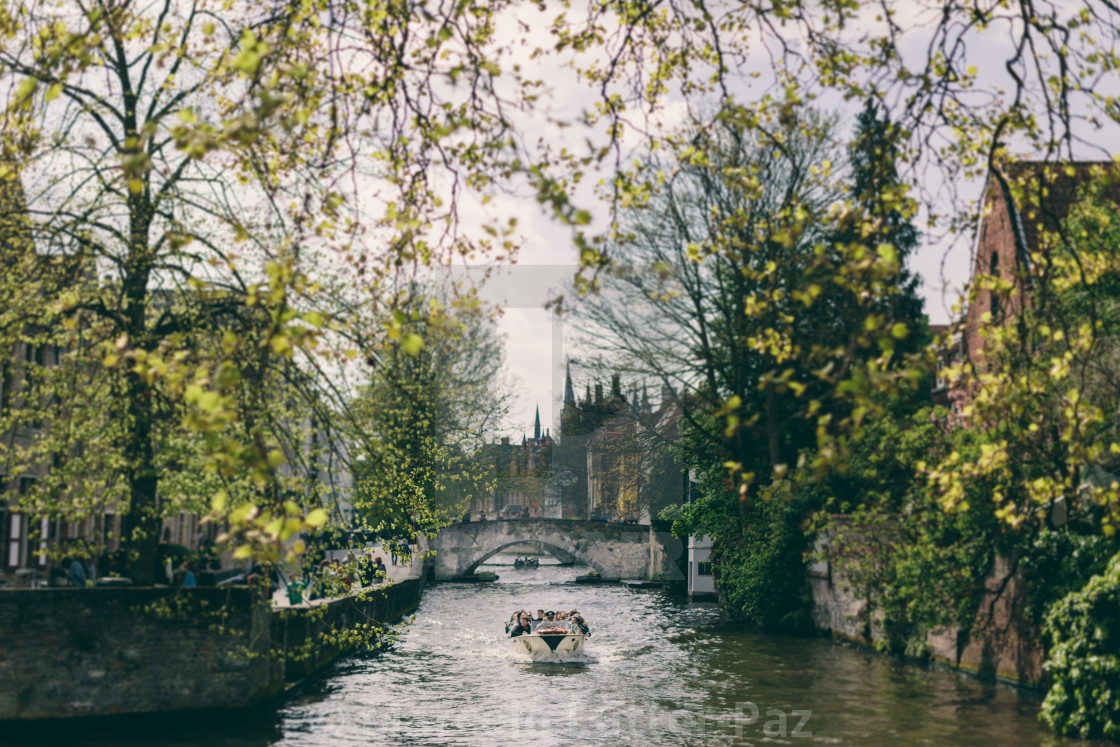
(542, 645)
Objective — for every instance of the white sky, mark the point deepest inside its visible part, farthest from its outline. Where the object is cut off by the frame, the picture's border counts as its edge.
(536, 362)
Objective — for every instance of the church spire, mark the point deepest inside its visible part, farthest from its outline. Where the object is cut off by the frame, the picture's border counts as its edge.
(569, 394)
(537, 425)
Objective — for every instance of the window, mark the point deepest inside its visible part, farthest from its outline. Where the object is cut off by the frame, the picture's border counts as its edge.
(951, 356)
(704, 568)
(15, 540)
(7, 383)
(17, 531)
(46, 535)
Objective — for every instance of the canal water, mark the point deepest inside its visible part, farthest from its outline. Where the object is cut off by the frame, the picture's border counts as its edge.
(657, 671)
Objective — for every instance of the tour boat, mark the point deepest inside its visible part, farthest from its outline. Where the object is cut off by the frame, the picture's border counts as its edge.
(548, 637)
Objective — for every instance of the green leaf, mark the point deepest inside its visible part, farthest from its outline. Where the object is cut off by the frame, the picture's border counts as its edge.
(316, 518)
(412, 343)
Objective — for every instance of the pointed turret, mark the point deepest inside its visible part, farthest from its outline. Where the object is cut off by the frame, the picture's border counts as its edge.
(569, 393)
(537, 425)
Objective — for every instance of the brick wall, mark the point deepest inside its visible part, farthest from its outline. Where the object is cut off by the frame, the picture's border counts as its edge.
(78, 652)
(309, 636)
(93, 652)
(997, 239)
(998, 643)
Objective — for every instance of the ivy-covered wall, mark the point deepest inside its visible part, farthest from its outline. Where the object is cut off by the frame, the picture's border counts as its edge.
(101, 652)
(90, 652)
(1001, 641)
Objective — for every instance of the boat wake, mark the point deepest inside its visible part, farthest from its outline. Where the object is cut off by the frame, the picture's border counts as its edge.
(621, 654)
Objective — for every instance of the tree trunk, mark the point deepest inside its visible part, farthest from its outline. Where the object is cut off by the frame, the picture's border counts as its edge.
(143, 483)
(139, 454)
(773, 431)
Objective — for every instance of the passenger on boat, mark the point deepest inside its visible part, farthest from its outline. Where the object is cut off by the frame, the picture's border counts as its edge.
(513, 620)
(577, 623)
(524, 627)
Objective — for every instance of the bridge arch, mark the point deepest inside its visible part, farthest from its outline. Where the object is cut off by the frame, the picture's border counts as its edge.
(554, 550)
(616, 551)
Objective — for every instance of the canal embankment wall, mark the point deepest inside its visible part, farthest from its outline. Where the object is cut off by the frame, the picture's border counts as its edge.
(104, 651)
(999, 643)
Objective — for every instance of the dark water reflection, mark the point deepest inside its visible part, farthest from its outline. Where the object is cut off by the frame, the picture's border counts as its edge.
(657, 672)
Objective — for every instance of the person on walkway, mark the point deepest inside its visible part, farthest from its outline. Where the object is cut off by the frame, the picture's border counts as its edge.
(92, 571)
(365, 569)
(186, 575)
(340, 581)
(77, 574)
(322, 580)
(294, 590)
(379, 571)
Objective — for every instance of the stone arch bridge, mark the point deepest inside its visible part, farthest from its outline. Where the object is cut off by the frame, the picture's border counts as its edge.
(616, 551)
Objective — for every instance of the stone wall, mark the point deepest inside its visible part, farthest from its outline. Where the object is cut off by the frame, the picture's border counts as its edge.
(81, 652)
(998, 644)
(616, 551)
(94, 652)
(309, 636)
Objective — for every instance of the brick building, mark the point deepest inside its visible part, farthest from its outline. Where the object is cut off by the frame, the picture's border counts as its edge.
(1026, 204)
(33, 352)
(33, 348)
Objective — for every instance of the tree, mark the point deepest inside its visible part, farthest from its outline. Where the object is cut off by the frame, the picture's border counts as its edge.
(729, 284)
(746, 282)
(1043, 392)
(429, 408)
(886, 211)
(161, 109)
(196, 166)
(952, 120)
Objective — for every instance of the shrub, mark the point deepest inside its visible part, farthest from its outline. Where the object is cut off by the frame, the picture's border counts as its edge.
(1084, 629)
